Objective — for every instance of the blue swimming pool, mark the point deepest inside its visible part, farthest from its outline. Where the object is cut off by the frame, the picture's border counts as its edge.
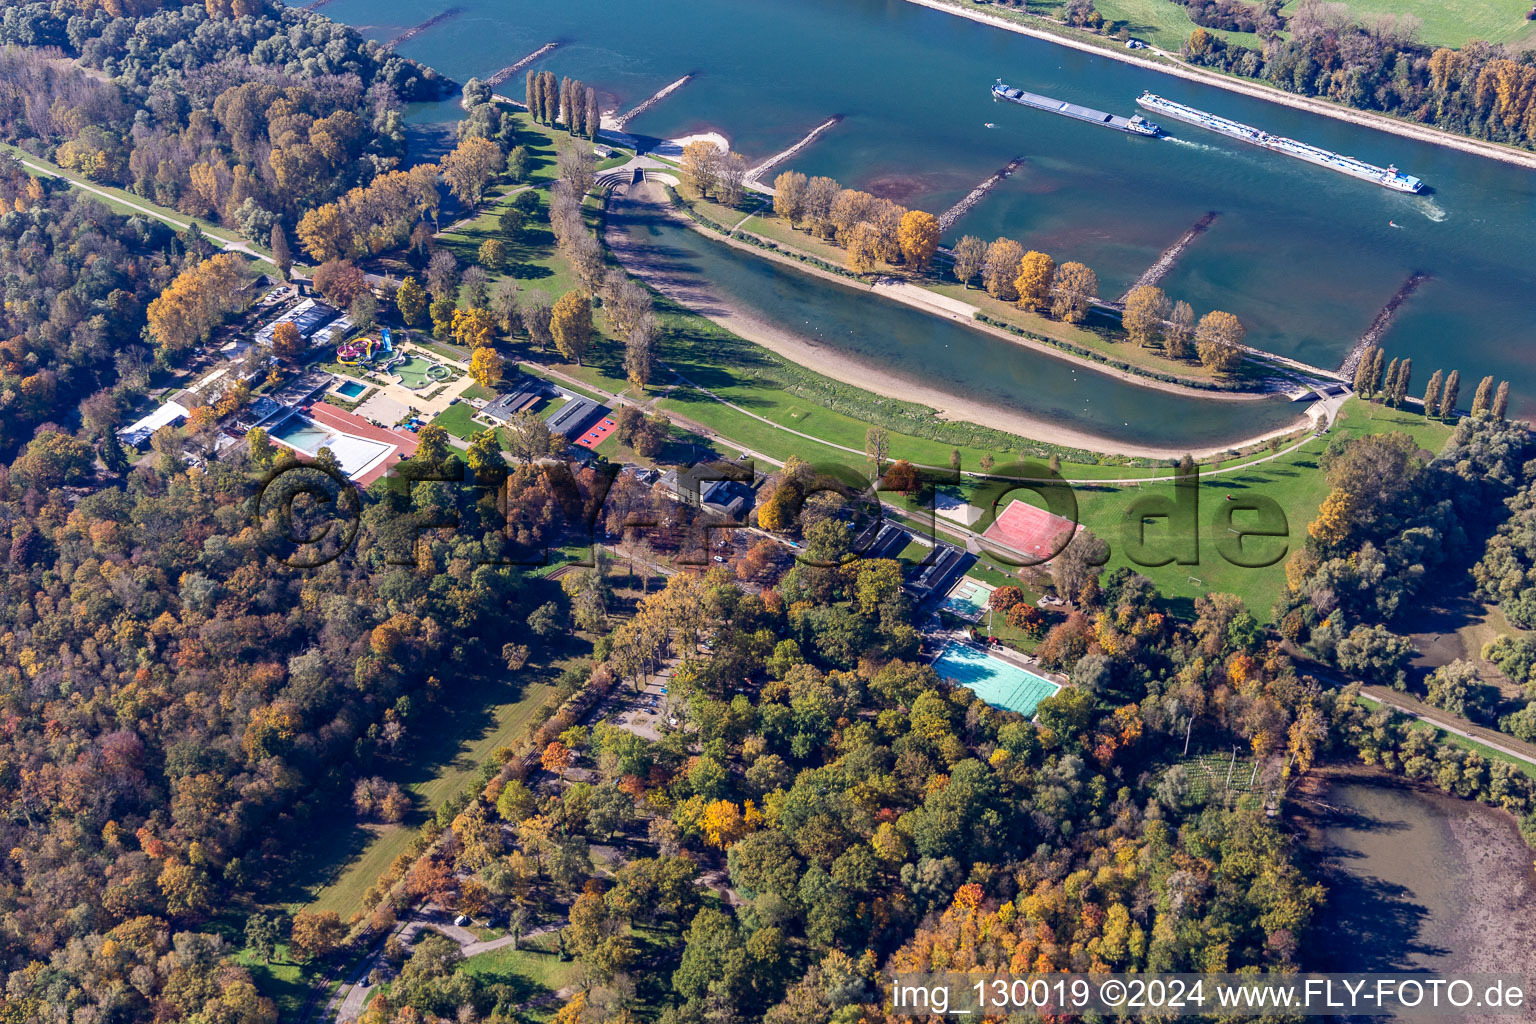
(351, 389)
(999, 683)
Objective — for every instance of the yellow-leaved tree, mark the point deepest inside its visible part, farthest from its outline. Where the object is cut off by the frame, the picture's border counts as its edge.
(1033, 283)
(919, 235)
(571, 324)
(486, 367)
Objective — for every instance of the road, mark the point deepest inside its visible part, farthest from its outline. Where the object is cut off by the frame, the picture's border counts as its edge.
(357, 989)
(1504, 744)
(179, 225)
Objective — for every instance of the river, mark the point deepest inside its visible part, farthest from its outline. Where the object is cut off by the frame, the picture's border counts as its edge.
(1419, 881)
(1304, 256)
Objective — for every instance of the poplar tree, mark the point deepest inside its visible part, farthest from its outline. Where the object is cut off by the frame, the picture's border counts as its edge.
(565, 102)
(1432, 394)
(1373, 384)
(281, 254)
(534, 94)
(1389, 383)
(1363, 371)
(1452, 392)
(1501, 400)
(1404, 379)
(1483, 399)
(549, 97)
(594, 117)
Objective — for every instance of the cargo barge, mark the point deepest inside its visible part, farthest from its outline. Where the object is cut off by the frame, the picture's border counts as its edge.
(1134, 125)
(1387, 177)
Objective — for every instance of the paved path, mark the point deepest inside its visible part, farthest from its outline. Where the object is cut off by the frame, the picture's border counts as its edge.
(358, 989)
(180, 225)
(1443, 720)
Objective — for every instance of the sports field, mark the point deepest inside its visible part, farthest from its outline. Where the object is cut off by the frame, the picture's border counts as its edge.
(1031, 531)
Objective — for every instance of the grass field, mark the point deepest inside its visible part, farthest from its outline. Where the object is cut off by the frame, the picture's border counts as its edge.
(449, 745)
(458, 420)
(1446, 22)
(535, 968)
(1294, 481)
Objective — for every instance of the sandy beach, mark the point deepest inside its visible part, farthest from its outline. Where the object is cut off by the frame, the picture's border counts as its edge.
(1173, 66)
(689, 291)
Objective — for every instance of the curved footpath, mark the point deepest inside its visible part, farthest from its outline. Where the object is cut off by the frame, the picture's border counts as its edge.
(694, 294)
(1177, 67)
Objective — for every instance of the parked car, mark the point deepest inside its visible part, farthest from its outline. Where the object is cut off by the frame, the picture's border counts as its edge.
(461, 921)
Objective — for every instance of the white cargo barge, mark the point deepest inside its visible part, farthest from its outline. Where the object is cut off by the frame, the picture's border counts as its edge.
(1386, 177)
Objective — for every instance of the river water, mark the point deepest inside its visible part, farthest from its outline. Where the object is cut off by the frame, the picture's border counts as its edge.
(1303, 255)
(1420, 881)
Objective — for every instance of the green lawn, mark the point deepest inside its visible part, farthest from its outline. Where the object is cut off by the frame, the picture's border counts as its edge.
(458, 420)
(449, 744)
(1448, 22)
(535, 967)
(1294, 481)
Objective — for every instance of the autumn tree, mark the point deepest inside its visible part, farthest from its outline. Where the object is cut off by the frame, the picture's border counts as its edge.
(474, 328)
(1218, 338)
(315, 934)
(1146, 309)
(571, 325)
(1032, 283)
(919, 235)
(970, 256)
(1072, 291)
(1482, 399)
(1179, 333)
(1450, 395)
(282, 255)
(493, 253)
(486, 367)
(1432, 393)
(411, 301)
(529, 437)
(1001, 269)
(339, 281)
(198, 298)
(470, 168)
(789, 196)
(733, 176)
(287, 343)
(700, 166)
(877, 446)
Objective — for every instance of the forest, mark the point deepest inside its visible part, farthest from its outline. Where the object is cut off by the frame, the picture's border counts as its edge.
(1483, 90)
(247, 117)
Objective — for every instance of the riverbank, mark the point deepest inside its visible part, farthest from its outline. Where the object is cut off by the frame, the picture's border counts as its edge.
(935, 302)
(1170, 64)
(691, 291)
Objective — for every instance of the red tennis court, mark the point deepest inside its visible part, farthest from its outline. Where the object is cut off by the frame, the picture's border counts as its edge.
(1030, 530)
(595, 434)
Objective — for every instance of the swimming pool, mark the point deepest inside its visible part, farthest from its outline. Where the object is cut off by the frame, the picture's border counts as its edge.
(305, 435)
(354, 454)
(968, 599)
(999, 683)
(351, 389)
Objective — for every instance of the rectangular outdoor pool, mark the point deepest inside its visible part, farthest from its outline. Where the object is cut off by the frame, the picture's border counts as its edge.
(999, 683)
(351, 389)
(968, 599)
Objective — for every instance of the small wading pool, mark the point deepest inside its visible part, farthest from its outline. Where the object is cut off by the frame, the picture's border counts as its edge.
(968, 599)
(351, 389)
(994, 680)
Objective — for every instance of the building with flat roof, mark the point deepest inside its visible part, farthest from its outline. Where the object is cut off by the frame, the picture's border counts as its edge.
(721, 487)
(575, 417)
(138, 434)
(526, 394)
(308, 316)
(946, 563)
